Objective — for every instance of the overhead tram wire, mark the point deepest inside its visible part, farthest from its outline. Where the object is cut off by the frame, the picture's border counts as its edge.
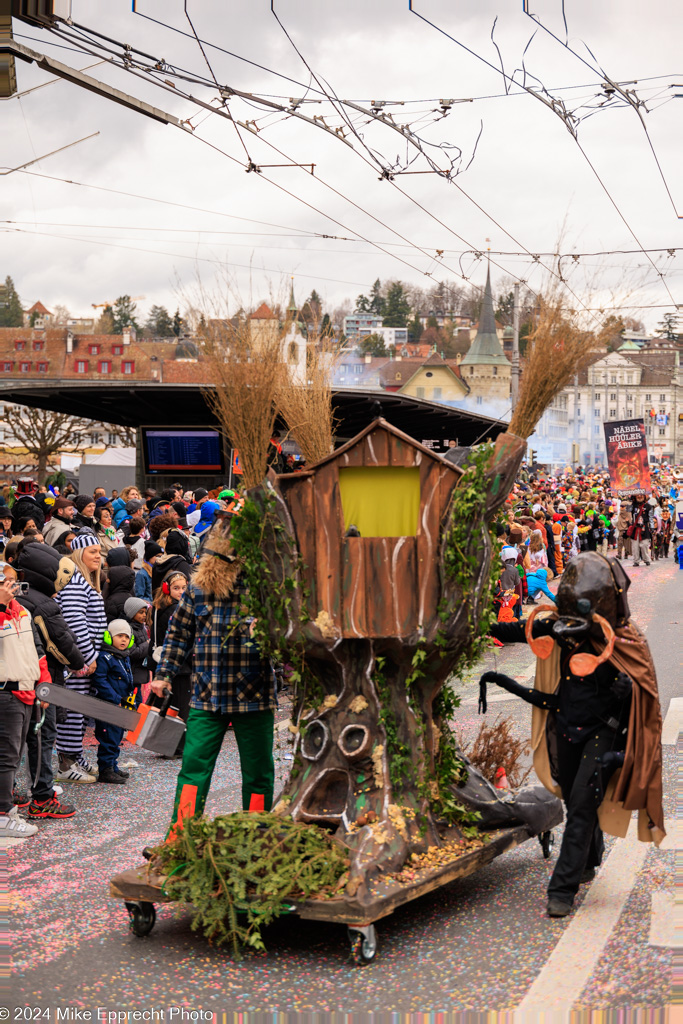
(294, 233)
(250, 266)
(166, 88)
(176, 255)
(435, 99)
(341, 195)
(181, 206)
(507, 78)
(391, 179)
(214, 46)
(615, 85)
(194, 99)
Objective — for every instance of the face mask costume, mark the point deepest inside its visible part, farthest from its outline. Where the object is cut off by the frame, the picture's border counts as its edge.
(596, 723)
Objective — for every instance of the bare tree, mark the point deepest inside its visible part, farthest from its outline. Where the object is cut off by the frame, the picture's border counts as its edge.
(128, 436)
(43, 434)
(60, 316)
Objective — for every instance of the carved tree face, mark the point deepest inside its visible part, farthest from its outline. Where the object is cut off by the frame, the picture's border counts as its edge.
(338, 771)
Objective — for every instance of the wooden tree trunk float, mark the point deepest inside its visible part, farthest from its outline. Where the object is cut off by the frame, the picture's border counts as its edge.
(381, 621)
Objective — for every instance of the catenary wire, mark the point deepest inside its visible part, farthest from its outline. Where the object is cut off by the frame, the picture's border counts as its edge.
(552, 107)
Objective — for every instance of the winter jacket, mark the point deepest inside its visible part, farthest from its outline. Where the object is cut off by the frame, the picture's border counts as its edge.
(40, 566)
(168, 563)
(81, 522)
(157, 635)
(120, 586)
(143, 582)
(83, 608)
(537, 582)
(121, 514)
(113, 677)
(209, 508)
(106, 543)
(26, 507)
(22, 657)
(138, 546)
(56, 529)
(643, 521)
(228, 673)
(139, 654)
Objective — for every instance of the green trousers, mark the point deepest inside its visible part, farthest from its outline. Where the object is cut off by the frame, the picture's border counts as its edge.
(203, 740)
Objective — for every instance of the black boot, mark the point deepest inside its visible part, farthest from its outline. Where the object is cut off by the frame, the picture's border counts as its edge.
(109, 774)
(558, 908)
(122, 772)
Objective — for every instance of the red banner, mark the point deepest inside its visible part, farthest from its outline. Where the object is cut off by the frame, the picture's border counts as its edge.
(629, 468)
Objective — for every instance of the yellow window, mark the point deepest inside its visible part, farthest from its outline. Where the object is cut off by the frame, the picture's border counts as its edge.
(380, 501)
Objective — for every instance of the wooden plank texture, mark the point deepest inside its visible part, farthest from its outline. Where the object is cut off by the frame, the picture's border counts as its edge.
(353, 555)
(329, 530)
(299, 498)
(428, 541)
(401, 454)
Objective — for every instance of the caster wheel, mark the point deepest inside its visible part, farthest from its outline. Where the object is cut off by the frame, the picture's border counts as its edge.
(142, 918)
(363, 944)
(547, 841)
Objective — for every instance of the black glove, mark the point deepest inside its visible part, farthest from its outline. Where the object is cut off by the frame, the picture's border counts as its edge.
(622, 686)
(490, 677)
(542, 627)
(545, 701)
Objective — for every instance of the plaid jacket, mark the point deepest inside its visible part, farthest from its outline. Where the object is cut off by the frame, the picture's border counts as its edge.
(228, 673)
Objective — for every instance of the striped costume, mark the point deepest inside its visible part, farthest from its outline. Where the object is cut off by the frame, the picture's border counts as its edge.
(83, 609)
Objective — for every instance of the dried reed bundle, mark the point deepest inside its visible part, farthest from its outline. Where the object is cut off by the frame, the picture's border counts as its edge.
(556, 351)
(495, 747)
(246, 372)
(306, 406)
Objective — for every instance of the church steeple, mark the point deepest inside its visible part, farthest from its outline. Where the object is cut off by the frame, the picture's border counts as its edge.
(292, 308)
(486, 349)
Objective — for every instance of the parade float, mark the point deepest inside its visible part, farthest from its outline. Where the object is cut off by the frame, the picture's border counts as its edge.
(369, 574)
(370, 577)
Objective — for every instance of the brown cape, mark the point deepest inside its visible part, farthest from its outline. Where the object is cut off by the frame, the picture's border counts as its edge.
(637, 786)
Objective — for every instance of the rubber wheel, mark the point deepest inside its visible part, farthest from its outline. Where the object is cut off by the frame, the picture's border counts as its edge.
(547, 841)
(142, 917)
(363, 947)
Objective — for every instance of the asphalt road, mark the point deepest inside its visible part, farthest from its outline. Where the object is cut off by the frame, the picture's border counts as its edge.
(477, 944)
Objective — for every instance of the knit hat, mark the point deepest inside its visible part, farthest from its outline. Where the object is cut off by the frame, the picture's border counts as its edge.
(100, 503)
(133, 605)
(226, 494)
(84, 539)
(119, 626)
(5, 511)
(118, 556)
(152, 549)
(63, 503)
(200, 493)
(83, 500)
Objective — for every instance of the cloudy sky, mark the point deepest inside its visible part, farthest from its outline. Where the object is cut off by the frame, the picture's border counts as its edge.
(525, 182)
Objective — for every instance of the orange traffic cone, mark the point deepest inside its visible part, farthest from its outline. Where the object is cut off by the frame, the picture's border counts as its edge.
(501, 779)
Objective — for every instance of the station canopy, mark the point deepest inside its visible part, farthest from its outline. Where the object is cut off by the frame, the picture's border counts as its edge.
(154, 404)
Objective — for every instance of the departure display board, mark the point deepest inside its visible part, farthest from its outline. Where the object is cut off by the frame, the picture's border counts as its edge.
(182, 450)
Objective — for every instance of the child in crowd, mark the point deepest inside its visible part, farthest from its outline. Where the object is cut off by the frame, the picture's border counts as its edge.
(113, 682)
(537, 552)
(135, 611)
(166, 598)
(136, 540)
(143, 577)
